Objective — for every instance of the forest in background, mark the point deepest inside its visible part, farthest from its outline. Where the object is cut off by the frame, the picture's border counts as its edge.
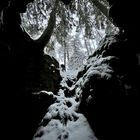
(79, 27)
(101, 102)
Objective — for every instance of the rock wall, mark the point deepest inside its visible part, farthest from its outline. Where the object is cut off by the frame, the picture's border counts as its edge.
(109, 90)
(24, 70)
(109, 84)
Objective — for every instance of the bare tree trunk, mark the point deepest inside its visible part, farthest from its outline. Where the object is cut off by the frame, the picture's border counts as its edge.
(45, 37)
(65, 55)
(68, 56)
(90, 50)
(86, 45)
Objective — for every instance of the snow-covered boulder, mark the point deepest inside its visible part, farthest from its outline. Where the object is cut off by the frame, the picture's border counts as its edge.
(108, 89)
(63, 121)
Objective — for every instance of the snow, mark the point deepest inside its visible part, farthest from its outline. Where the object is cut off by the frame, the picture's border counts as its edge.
(96, 67)
(44, 92)
(69, 125)
(80, 130)
(62, 120)
(69, 74)
(55, 130)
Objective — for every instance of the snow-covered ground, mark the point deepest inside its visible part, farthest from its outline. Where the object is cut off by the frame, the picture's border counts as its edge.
(63, 121)
(74, 130)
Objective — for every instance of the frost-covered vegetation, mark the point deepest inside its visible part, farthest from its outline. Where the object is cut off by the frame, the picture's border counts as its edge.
(79, 28)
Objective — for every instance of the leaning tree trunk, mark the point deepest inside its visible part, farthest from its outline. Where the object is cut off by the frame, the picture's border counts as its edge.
(47, 33)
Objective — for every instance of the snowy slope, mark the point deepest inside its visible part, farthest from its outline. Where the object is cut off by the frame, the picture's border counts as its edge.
(55, 130)
(63, 122)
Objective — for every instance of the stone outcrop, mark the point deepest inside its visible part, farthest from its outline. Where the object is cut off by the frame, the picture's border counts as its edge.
(109, 90)
(106, 91)
(109, 84)
(24, 70)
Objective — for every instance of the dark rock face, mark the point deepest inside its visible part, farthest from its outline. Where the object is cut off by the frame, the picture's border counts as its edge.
(66, 1)
(40, 103)
(108, 86)
(127, 19)
(51, 68)
(49, 81)
(47, 70)
(110, 91)
(24, 69)
(111, 82)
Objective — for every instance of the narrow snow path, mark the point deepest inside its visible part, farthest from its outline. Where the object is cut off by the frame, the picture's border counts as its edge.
(63, 121)
(73, 130)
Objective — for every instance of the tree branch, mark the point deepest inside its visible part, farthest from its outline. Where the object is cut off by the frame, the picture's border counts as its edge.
(104, 10)
(46, 35)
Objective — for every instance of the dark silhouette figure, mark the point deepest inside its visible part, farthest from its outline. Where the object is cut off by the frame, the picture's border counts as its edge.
(63, 67)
